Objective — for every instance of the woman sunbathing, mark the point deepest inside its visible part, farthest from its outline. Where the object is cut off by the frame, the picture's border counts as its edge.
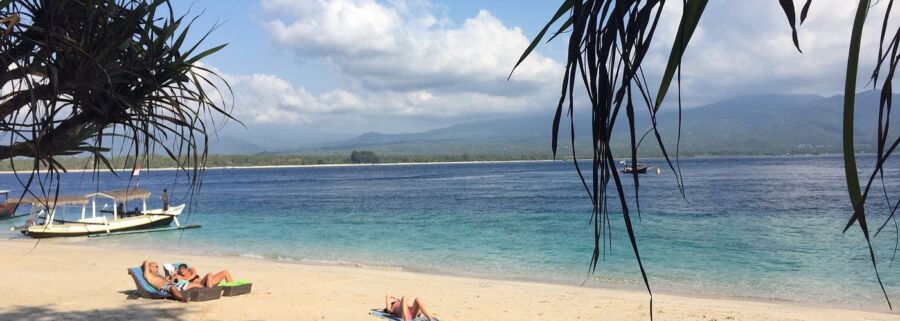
(401, 308)
(209, 280)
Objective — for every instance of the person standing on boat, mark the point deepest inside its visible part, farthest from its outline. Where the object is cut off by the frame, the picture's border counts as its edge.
(165, 200)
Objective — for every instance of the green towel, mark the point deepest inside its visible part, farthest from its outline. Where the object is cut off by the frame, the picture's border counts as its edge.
(233, 283)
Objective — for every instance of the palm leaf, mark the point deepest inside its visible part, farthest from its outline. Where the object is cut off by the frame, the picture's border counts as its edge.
(850, 171)
(693, 10)
(788, 7)
(566, 6)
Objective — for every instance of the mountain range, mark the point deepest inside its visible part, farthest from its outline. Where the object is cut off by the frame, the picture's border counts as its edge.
(749, 125)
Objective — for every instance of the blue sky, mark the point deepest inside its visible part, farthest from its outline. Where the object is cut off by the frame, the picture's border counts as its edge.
(314, 68)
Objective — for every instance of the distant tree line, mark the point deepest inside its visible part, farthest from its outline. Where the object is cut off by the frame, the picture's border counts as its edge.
(266, 159)
(363, 157)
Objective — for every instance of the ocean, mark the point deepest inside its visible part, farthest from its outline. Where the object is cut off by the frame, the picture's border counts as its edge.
(767, 228)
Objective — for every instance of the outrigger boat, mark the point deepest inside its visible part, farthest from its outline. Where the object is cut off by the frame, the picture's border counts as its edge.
(631, 168)
(48, 215)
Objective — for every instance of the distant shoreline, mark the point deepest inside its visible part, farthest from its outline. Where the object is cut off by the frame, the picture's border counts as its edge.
(321, 165)
(332, 165)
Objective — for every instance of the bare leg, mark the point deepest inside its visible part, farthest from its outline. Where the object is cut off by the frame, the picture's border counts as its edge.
(192, 286)
(213, 279)
(404, 309)
(418, 307)
(178, 295)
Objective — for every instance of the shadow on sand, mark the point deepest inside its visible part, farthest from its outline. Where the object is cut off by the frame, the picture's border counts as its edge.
(129, 312)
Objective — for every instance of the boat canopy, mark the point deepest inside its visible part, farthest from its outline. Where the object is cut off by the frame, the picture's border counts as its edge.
(51, 201)
(121, 195)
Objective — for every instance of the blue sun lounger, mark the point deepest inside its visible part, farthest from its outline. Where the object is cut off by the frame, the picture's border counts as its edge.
(144, 288)
(387, 316)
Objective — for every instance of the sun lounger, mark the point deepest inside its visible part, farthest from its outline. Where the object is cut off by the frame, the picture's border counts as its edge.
(204, 294)
(145, 290)
(387, 316)
(238, 287)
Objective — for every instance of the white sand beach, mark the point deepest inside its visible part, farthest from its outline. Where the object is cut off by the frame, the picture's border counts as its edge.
(67, 282)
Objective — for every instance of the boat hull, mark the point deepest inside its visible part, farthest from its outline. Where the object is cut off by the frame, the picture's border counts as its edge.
(640, 169)
(151, 219)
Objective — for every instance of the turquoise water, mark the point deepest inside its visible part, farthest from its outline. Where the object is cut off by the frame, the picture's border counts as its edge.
(760, 227)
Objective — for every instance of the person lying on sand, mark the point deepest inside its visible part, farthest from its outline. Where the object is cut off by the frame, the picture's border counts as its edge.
(151, 274)
(401, 308)
(190, 274)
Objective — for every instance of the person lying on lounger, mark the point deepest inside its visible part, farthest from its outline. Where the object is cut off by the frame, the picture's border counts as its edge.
(190, 274)
(402, 309)
(151, 273)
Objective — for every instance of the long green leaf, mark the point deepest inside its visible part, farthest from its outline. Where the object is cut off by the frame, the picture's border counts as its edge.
(849, 102)
(693, 9)
(856, 197)
(805, 11)
(561, 29)
(788, 7)
(205, 53)
(566, 6)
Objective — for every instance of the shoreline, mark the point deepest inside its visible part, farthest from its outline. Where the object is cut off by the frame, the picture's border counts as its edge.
(613, 289)
(333, 165)
(166, 169)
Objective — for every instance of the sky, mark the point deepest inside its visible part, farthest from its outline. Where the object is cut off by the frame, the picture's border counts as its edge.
(337, 68)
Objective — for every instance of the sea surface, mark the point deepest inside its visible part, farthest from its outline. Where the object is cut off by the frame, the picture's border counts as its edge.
(766, 228)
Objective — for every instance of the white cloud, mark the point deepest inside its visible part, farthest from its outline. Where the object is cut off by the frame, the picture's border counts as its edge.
(745, 47)
(267, 98)
(401, 46)
(405, 60)
(395, 60)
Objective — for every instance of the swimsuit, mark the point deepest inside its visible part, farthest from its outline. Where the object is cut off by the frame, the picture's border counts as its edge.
(177, 286)
(395, 309)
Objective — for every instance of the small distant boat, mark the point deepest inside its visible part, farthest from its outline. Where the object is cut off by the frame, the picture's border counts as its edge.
(48, 217)
(631, 168)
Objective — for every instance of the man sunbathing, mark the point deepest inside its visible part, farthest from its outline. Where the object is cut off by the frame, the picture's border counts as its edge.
(151, 274)
(400, 308)
(208, 280)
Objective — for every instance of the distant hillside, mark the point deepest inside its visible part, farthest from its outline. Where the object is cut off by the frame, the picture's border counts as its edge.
(760, 124)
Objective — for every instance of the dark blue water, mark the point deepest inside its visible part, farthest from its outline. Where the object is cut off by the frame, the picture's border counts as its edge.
(767, 228)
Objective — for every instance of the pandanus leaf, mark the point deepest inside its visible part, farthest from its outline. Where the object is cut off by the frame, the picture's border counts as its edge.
(788, 7)
(693, 10)
(566, 6)
(850, 171)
